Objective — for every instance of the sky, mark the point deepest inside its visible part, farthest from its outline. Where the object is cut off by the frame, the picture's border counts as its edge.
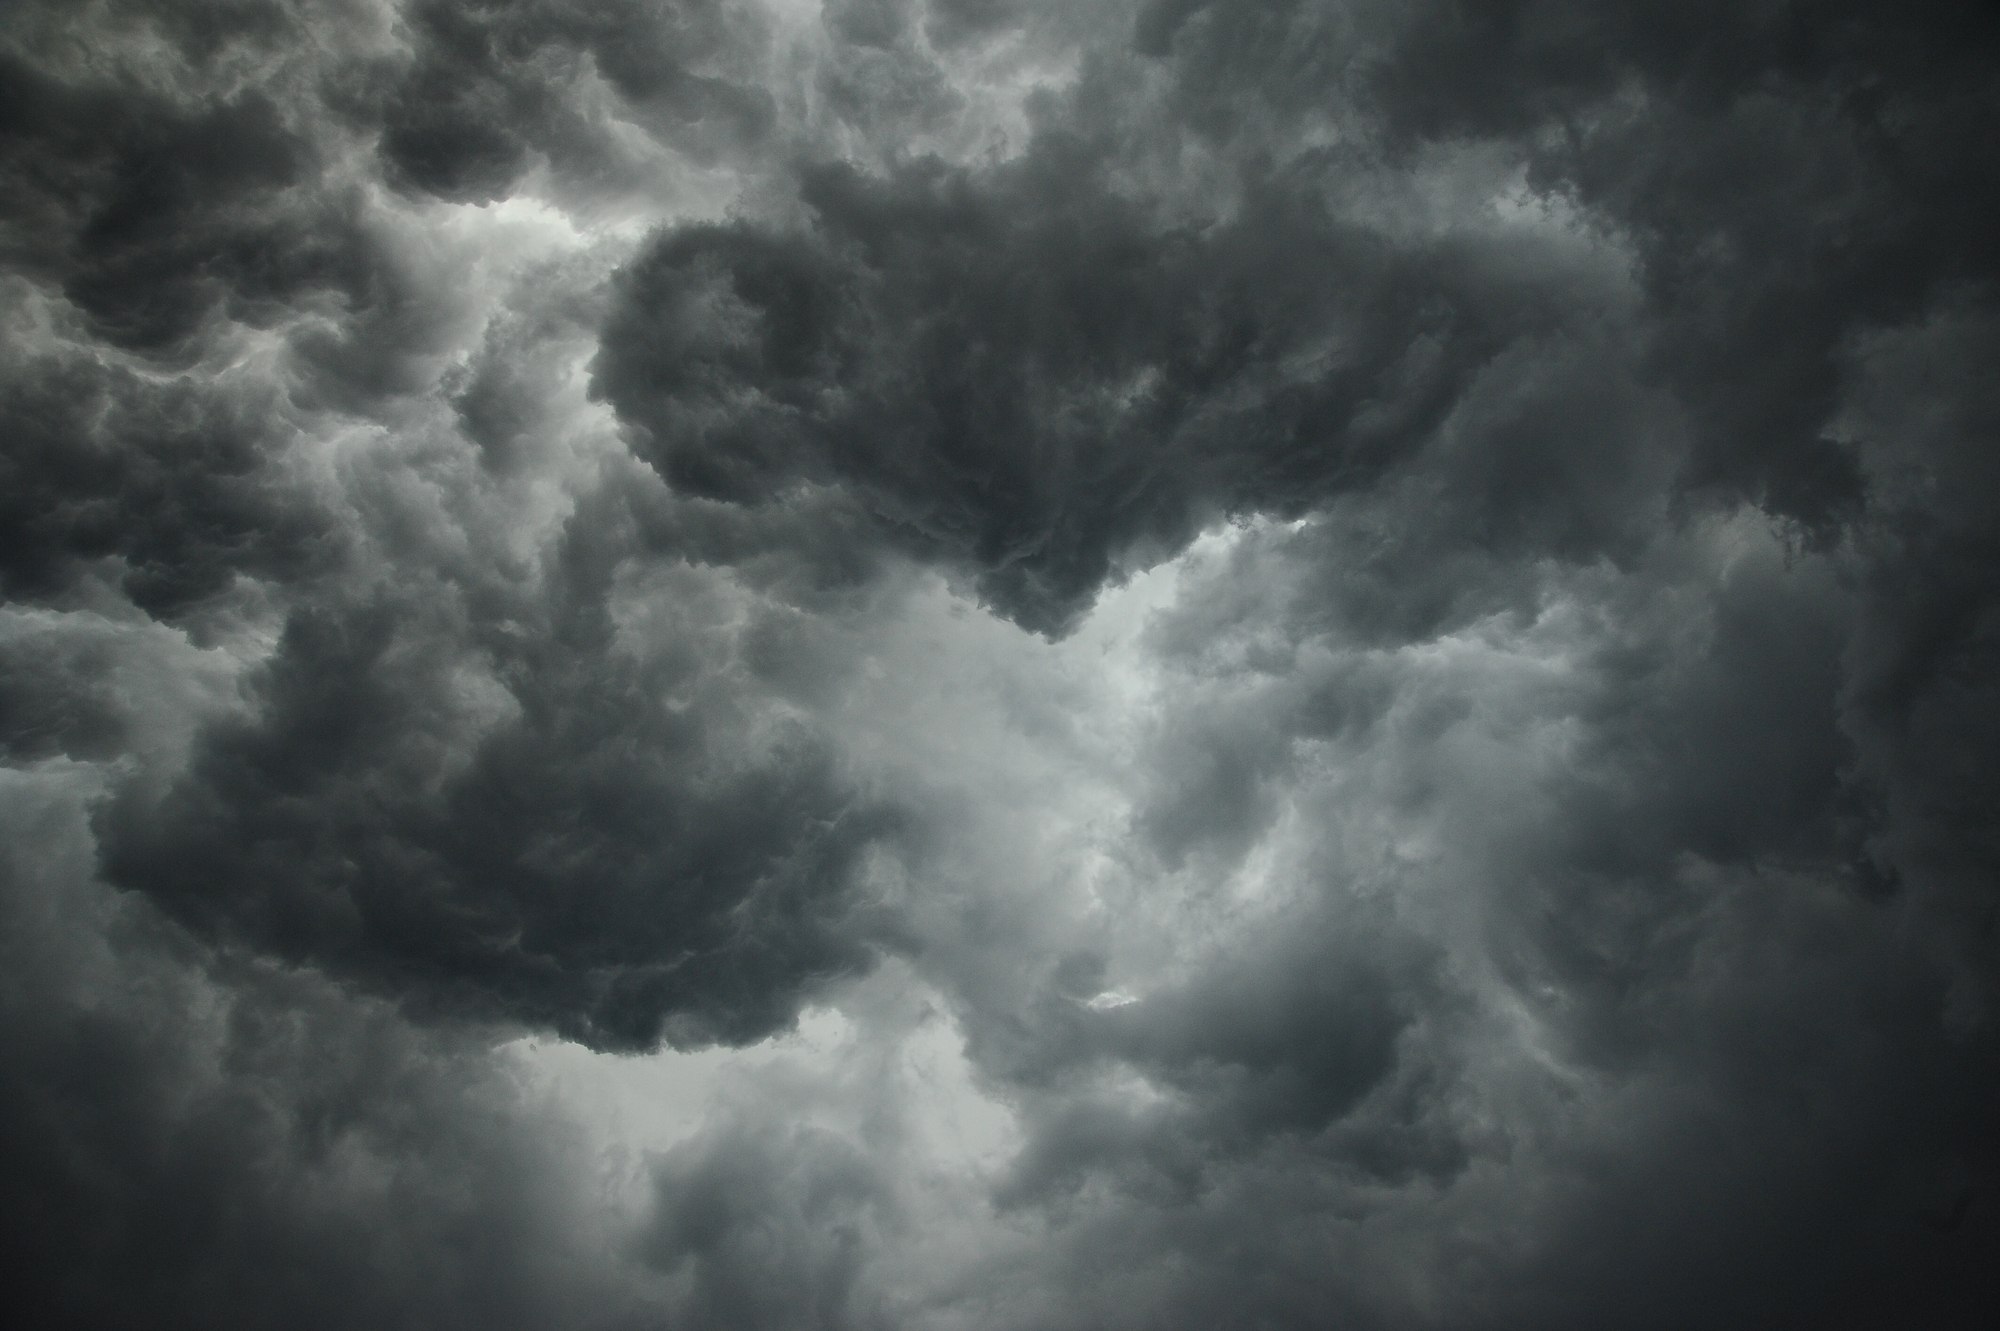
(1000, 665)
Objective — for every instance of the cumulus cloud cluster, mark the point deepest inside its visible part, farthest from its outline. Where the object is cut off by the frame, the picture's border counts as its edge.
(999, 664)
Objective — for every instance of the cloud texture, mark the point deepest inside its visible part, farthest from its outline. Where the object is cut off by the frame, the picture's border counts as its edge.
(991, 664)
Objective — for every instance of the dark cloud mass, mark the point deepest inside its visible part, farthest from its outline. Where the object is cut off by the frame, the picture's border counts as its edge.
(994, 664)
(1014, 369)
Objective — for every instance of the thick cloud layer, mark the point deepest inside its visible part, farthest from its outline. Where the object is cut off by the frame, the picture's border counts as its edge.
(1017, 368)
(981, 665)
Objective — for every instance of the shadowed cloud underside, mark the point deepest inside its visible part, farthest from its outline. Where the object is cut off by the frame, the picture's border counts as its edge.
(982, 664)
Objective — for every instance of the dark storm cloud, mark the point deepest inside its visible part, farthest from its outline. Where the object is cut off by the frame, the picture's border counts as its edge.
(1549, 880)
(1019, 370)
(597, 860)
(1795, 180)
(1920, 697)
(1296, 1038)
(1673, 907)
(494, 87)
(361, 818)
(1778, 221)
(769, 1224)
(1789, 174)
(190, 1141)
(156, 208)
(167, 477)
(507, 394)
(174, 211)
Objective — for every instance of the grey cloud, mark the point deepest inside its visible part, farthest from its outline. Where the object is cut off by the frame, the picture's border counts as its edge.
(168, 477)
(589, 862)
(1296, 1041)
(957, 22)
(1797, 174)
(1775, 1039)
(1534, 865)
(150, 213)
(1017, 370)
(769, 1225)
(345, 821)
(191, 1140)
(884, 89)
(491, 86)
(1918, 695)
(507, 394)
(877, 23)
(1791, 175)
(165, 196)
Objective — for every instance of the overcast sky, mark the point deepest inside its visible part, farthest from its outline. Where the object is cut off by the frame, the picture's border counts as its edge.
(1000, 665)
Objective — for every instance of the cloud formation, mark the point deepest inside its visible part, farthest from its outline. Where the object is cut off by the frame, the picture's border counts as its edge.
(984, 665)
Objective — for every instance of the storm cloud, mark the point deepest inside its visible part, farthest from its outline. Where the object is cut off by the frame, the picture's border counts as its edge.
(1000, 664)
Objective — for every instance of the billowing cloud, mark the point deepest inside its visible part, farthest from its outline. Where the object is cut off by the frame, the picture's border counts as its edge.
(984, 665)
